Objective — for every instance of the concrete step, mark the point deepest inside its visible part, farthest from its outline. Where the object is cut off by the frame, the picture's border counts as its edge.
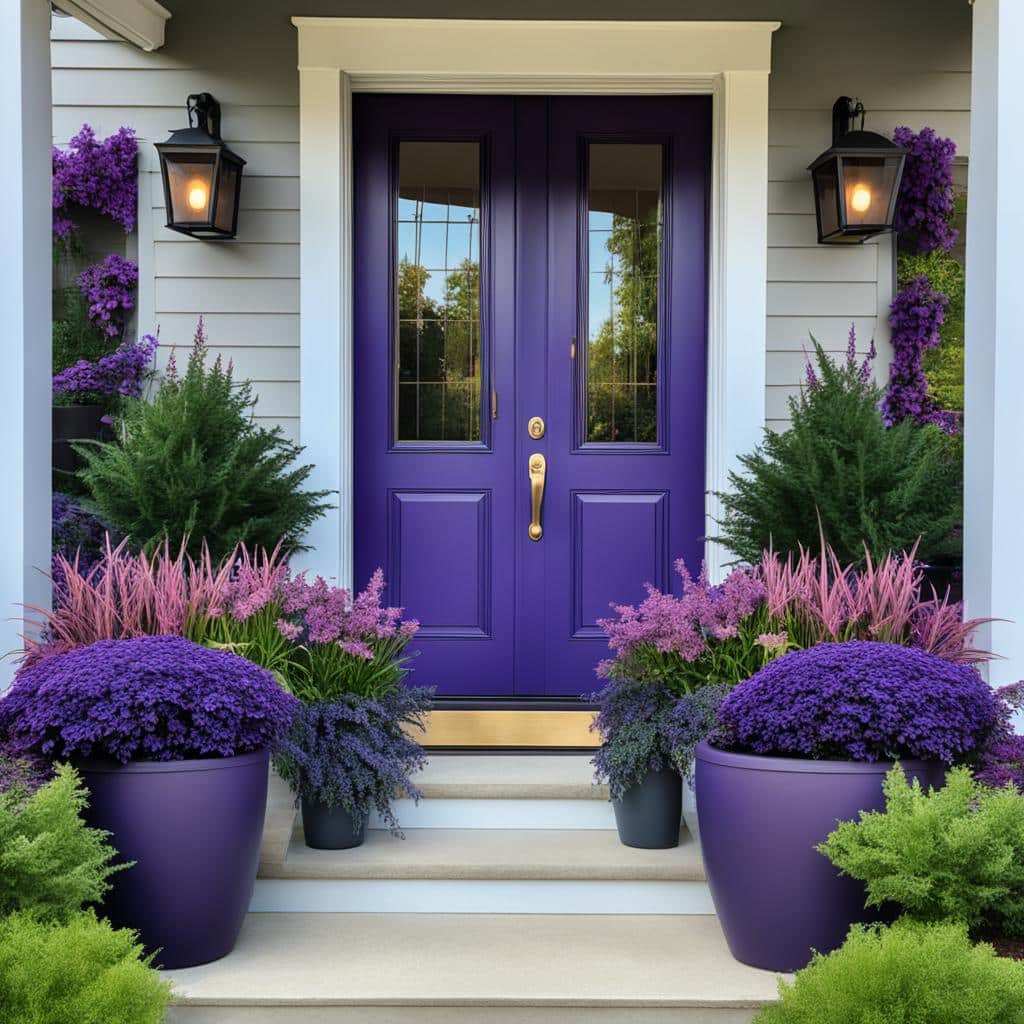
(526, 969)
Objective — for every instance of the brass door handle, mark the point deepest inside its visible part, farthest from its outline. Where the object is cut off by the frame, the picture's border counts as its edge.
(538, 470)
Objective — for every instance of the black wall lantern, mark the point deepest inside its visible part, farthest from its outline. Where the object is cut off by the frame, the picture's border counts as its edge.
(856, 182)
(202, 177)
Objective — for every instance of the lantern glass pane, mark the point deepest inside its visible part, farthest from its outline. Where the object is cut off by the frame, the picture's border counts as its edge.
(227, 192)
(868, 183)
(190, 182)
(826, 188)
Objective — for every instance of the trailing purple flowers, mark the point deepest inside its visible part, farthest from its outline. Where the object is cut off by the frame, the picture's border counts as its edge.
(97, 175)
(925, 203)
(109, 288)
(915, 316)
(123, 372)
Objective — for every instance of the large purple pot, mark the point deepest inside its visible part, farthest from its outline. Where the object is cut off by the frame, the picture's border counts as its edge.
(777, 898)
(194, 829)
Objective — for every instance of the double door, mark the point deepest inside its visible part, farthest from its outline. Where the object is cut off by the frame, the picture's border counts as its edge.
(530, 326)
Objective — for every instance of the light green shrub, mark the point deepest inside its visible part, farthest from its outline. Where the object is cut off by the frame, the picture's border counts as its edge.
(82, 972)
(955, 852)
(51, 862)
(911, 973)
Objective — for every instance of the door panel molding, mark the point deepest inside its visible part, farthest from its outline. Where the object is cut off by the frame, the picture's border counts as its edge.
(730, 61)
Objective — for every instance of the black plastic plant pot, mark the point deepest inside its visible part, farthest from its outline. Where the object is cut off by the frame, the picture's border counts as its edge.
(648, 815)
(77, 422)
(330, 828)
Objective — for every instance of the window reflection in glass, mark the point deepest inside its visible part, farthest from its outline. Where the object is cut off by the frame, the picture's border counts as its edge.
(438, 275)
(624, 211)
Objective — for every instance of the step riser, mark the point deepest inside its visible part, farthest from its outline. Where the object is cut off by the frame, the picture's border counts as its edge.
(489, 814)
(459, 1014)
(469, 896)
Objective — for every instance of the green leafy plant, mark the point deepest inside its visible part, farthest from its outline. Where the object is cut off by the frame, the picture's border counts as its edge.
(84, 972)
(838, 472)
(951, 853)
(193, 463)
(51, 862)
(911, 973)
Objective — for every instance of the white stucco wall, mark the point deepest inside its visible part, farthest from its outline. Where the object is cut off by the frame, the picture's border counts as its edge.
(908, 62)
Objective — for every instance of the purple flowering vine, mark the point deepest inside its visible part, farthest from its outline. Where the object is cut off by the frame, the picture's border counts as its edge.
(109, 288)
(97, 175)
(123, 372)
(925, 203)
(915, 316)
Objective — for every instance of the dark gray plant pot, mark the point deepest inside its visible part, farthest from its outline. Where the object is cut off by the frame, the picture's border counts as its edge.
(330, 828)
(648, 815)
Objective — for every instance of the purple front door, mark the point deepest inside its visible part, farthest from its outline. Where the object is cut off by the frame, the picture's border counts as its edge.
(530, 324)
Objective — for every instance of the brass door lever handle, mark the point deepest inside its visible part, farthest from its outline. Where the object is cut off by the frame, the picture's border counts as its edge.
(538, 471)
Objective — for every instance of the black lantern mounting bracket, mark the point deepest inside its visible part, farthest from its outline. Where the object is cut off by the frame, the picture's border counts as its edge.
(204, 113)
(845, 112)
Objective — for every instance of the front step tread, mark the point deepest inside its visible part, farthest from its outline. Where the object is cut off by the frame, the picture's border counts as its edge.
(510, 777)
(493, 854)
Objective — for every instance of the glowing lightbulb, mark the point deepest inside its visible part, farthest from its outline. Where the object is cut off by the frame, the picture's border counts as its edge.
(860, 198)
(197, 195)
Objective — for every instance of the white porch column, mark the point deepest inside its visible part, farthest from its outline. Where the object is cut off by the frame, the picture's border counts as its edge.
(994, 413)
(25, 301)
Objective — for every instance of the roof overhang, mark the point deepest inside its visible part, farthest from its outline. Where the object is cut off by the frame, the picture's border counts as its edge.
(139, 22)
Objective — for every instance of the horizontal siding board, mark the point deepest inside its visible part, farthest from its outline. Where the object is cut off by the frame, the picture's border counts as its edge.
(792, 229)
(226, 259)
(241, 124)
(881, 91)
(230, 330)
(276, 398)
(791, 197)
(113, 55)
(820, 263)
(255, 364)
(102, 87)
(776, 400)
(226, 295)
(793, 333)
(812, 298)
(281, 226)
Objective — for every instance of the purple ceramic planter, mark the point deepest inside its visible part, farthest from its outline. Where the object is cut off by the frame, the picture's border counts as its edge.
(777, 898)
(194, 830)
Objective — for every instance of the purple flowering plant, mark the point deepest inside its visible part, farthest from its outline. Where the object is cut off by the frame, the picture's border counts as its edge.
(924, 206)
(159, 698)
(357, 752)
(122, 373)
(1002, 758)
(78, 538)
(109, 289)
(861, 700)
(98, 175)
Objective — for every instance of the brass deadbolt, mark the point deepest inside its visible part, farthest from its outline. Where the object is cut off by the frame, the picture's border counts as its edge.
(535, 428)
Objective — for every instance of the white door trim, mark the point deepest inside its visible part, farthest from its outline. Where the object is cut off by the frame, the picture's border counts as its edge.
(730, 61)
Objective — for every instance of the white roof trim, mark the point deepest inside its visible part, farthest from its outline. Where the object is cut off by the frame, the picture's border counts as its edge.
(139, 22)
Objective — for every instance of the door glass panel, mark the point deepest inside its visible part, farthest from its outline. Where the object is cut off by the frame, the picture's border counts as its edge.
(624, 211)
(437, 246)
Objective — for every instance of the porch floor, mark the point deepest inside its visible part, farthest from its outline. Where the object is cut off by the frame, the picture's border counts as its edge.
(429, 968)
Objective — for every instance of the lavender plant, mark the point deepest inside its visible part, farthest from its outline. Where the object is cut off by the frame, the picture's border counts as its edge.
(356, 752)
(863, 701)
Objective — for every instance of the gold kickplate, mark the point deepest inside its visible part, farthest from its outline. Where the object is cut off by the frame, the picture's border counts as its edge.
(508, 728)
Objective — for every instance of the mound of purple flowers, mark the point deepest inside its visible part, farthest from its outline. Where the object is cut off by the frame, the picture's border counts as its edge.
(861, 701)
(120, 373)
(109, 288)
(355, 752)
(156, 698)
(925, 202)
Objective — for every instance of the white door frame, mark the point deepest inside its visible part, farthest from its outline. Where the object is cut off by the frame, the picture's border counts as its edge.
(728, 60)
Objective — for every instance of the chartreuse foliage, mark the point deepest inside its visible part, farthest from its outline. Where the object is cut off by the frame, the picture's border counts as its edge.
(192, 463)
(51, 863)
(911, 973)
(838, 472)
(955, 852)
(84, 972)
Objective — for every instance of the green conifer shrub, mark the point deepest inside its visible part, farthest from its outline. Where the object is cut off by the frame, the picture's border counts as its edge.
(911, 973)
(51, 862)
(838, 471)
(192, 463)
(953, 853)
(82, 972)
